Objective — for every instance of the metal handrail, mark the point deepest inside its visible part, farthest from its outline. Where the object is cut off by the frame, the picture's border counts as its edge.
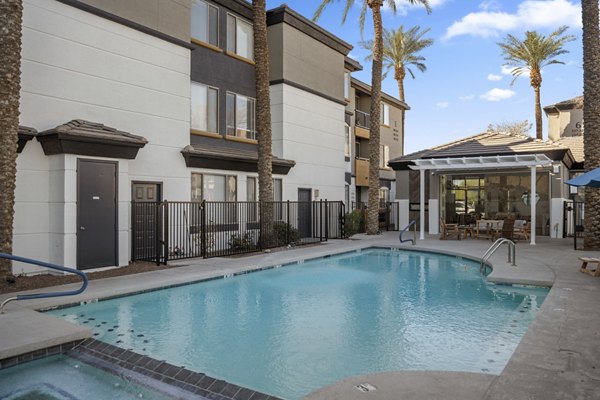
(512, 254)
(44, 295)
(412, 223)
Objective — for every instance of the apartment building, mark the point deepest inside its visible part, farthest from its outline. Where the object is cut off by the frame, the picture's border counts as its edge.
(358, 99)
(150, 100)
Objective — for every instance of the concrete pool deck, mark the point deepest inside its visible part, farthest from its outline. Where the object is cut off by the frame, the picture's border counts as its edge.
(559, 357)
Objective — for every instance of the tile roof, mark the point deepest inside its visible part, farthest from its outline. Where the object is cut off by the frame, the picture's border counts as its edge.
(575, 144)
(487, 144)
(576, 103)
(93, 132)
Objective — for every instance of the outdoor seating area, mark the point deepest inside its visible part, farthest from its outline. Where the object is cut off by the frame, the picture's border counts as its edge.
(492, 229)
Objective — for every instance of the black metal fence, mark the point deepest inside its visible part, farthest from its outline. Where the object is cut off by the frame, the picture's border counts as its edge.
(389, 214)
(573, 213)
(177, 230)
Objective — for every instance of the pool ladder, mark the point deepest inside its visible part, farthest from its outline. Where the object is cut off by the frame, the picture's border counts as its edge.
(512, 255)
(47, 294)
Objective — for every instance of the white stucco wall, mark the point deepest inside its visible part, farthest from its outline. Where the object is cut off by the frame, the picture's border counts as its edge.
(309, 130)
(79, 66)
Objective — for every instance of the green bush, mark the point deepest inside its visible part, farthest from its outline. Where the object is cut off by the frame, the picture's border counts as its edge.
(280, 231)
(241, 242)
(355, 223)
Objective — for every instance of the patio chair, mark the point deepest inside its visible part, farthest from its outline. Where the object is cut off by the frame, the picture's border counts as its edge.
(590, 260)
(506, 231)
(448, 230)
(522, 229)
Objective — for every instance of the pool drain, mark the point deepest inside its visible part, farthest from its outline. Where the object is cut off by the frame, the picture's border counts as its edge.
(365, 387)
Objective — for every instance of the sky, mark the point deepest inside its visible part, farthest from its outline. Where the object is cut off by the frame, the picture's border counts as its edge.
(466, 87)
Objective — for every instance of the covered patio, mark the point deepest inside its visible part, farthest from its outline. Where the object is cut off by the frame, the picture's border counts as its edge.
(490, 176)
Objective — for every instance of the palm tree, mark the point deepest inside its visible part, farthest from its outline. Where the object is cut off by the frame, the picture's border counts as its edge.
(263, 119)
(400, 50)
(372, 225)
(591, 116)
(11, 14)
(531, 55)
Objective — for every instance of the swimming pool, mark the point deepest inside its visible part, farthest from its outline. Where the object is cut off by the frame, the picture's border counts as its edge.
(288, 331)
(64, 378)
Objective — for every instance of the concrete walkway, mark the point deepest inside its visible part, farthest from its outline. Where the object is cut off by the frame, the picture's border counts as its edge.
(559, 357)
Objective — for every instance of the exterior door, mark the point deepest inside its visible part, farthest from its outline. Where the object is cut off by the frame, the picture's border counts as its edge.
(304, 213)
(146, 197)
(96, 214)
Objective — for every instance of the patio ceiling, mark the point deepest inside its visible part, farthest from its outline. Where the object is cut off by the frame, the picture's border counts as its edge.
(482, 162)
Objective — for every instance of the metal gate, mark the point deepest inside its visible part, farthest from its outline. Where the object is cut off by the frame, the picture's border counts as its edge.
(573, 215)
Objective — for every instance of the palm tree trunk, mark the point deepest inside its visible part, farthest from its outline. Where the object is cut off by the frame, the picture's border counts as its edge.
(399, 75)
(263, 121)
(538, 114)
(591, 117)
(373, 205)
(11, 14)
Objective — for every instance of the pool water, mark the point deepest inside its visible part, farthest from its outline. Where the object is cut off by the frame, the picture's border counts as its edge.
(65, 378)
(288, 331)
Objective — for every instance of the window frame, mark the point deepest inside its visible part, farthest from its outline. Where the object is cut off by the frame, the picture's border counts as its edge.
(347, 140)
(202, 180)
(235, 38)
(347, 85)
(384, 117)
(207, 130)
(251, 133)
(208, 25)
(384, 156)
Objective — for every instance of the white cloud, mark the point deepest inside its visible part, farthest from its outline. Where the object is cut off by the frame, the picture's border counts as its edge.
(442, 104)
(497, 94)
(531, 14)
(489, 5)
(402, 6)
(467, 97)
(494, 77)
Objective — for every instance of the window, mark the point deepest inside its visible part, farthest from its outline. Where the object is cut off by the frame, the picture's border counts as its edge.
(348, 140)
(384, 196)
(214, 187)
(241, 116)
(384, 156)
(385, 114)
(346, 85)
(205, 114)
(251, 189)
(205, 22)
(240, 37)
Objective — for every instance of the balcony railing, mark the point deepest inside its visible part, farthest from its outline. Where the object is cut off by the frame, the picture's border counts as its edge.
(362, 119)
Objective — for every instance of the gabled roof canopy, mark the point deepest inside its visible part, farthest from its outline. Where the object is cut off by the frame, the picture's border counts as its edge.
(488, 162)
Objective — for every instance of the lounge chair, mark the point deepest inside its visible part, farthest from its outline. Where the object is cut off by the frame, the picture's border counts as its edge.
(590, 260)
(448, 230)
(506, 230)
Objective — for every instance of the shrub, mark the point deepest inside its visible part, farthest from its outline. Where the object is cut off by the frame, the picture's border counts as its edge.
(355, 223)
(281, 230)
(241, 242)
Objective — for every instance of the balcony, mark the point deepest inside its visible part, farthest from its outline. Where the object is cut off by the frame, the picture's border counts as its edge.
(362, 171)
(361, 129)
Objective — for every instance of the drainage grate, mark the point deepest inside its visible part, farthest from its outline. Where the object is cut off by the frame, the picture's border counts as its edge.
(365, 387)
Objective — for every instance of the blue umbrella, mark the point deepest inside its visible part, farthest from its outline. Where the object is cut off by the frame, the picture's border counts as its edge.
(591, 179)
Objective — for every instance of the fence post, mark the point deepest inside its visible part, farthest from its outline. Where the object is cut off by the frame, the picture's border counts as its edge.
(260, 226)
(133, 231)
(343, 220)
(203, 251)
(157, 231)
(166, 232)
(320, 220)
(287, 228)
(326, 220)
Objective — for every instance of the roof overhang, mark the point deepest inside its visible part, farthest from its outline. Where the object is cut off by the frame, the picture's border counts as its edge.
(482, 162)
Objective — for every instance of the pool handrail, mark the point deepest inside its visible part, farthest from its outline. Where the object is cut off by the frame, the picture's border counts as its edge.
(406, 228)
(512, 253)
(48, 294)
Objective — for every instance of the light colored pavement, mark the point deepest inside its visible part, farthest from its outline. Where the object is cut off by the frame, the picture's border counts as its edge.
(559, 357)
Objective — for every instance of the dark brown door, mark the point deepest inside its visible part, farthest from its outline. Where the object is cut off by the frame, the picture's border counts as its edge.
(146, 197)
(96, 214)
(304, 212)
